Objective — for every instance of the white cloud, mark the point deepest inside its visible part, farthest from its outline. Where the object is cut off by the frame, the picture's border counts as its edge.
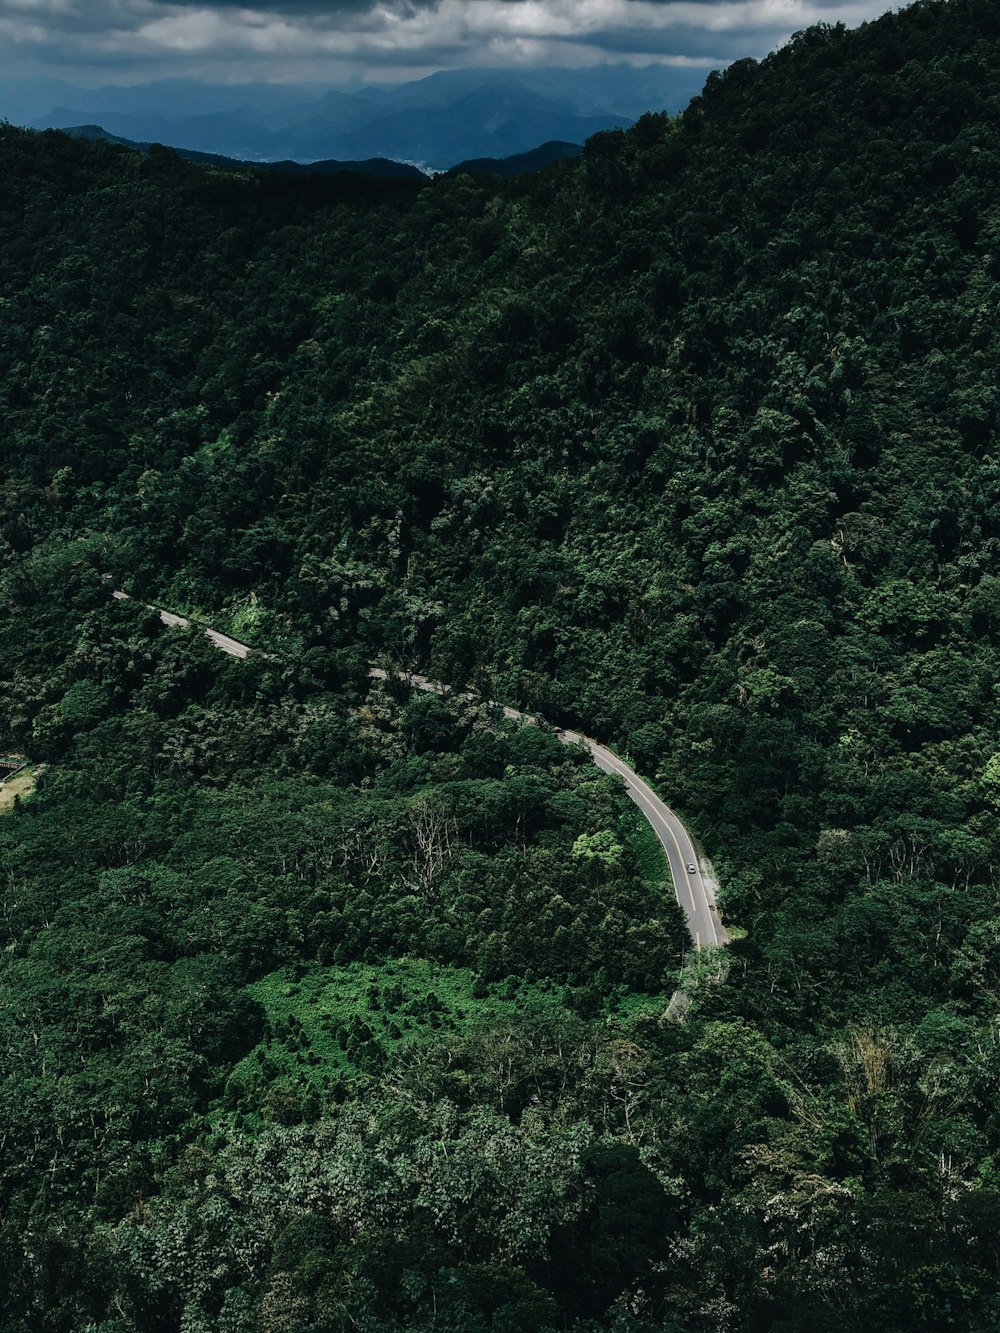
(130, 36)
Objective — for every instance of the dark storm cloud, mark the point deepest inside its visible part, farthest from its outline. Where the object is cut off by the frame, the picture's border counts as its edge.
(290, 39)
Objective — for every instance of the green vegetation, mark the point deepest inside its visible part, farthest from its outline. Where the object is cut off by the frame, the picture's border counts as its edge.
(15, 788)
(325, 1027)
(343, 1020)
(649, 854)
(691, 443)
(252, 899)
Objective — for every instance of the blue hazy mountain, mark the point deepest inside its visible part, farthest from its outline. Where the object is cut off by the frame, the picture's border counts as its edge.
(439, 120)
(384, 168)
(520, 164)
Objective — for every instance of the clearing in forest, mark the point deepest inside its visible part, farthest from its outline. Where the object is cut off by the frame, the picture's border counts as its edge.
(18, 784)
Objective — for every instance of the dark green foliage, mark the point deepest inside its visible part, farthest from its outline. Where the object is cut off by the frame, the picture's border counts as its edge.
(181, 846)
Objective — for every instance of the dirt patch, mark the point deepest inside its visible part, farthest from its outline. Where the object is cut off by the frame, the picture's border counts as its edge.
(18, 785)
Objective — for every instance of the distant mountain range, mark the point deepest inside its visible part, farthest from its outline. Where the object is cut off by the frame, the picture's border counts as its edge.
(372, 166)
(518, 165)
(453, 116)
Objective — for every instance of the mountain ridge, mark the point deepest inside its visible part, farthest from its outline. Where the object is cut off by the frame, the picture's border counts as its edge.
(380, 167)
(439, 120)
(516, 165)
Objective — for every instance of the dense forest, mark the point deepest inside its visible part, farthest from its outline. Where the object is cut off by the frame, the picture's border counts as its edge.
(329, 1006)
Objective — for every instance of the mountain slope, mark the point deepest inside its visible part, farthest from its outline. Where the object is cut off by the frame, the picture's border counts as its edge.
(542, 156)
(691, 443)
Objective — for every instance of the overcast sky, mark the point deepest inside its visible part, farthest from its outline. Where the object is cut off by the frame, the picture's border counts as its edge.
(338, 41)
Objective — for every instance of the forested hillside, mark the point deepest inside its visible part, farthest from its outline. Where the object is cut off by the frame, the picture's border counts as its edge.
(327, 1007)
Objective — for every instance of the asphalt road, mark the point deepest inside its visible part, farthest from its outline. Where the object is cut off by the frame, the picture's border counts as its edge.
(694, 895)
(231, 646)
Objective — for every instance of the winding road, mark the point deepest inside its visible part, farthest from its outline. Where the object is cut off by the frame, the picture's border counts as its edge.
(231, 646)
(694, 893)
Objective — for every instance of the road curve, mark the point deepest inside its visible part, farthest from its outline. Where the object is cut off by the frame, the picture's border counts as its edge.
(694, 895)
